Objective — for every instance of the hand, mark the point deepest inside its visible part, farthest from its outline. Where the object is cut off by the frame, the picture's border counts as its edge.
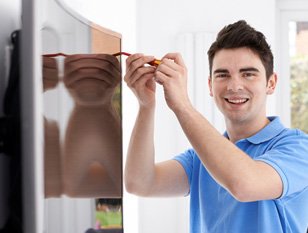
(140, 78)
(172, 75)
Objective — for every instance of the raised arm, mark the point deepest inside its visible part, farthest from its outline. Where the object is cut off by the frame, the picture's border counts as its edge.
(245, 178)
(142, 176)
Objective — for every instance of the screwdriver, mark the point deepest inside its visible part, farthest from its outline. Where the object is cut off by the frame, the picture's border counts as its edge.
(155, 62)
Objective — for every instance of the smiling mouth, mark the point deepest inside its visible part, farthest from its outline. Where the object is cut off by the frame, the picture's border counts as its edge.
(237, 101)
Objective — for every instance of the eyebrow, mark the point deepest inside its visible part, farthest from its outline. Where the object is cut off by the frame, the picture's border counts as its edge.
(241, 70)
(220, 71)
(249, 69)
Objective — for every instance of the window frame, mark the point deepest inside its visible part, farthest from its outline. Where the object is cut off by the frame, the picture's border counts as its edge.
(288, 10)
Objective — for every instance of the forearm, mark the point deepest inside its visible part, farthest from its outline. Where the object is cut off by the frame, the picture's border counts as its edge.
(140, 161)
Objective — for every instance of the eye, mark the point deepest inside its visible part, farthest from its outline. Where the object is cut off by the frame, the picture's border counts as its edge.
(249, 75)
(222, 75)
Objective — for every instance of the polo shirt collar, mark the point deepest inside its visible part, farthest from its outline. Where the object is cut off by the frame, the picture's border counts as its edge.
(270, 131)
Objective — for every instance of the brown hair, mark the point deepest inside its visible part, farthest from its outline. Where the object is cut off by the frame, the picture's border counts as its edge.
(240, 34)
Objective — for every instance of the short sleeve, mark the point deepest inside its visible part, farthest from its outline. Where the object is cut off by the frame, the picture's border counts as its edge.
(289, 157)
(186, 160)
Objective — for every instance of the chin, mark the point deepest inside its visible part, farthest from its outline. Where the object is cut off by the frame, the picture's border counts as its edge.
(236, 118)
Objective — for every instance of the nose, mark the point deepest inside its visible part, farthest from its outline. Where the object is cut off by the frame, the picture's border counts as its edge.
(235, 84)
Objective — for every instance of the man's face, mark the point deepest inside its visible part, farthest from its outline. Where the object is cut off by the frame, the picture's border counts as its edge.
(238, 85)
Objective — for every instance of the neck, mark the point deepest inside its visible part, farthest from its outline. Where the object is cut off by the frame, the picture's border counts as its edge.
(240, 130)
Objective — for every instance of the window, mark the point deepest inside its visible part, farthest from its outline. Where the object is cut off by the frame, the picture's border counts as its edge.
(298, 52)
(292, 38)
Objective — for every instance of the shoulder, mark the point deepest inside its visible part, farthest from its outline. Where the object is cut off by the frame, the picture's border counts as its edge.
(292, 136)
(189, 152)
(290, 143)
(187, 158)
(287, 141)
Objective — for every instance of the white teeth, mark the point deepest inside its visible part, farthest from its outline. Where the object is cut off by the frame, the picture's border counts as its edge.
(237, 101)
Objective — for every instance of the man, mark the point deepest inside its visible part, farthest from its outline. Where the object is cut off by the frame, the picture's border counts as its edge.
(251, 179)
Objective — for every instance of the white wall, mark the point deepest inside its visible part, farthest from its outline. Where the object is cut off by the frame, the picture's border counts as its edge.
(159, 23)
(153, 28)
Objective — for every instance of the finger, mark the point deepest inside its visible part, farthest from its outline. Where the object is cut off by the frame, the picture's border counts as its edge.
(161, 78)
(134, 65)
(132, 58)
(151, 84)
(176, 57)
(168, 67)
(133, 79)
(140, 73)
(146, 81)
(137, 60)
(171, 69)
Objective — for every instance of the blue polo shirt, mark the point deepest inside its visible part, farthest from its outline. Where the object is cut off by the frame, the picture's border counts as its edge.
(214, 210)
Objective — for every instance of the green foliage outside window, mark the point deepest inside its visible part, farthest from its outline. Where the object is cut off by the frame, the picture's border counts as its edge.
(299, 92)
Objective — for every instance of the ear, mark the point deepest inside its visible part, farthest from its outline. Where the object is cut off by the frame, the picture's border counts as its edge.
(210, 86)
(271, 84)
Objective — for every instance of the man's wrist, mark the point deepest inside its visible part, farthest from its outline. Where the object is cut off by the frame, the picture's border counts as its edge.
(147, 108)
(183, 108)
